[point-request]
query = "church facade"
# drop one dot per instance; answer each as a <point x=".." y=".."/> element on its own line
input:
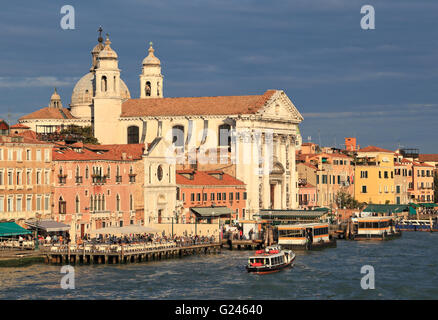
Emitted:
<point x="252" y="137"/>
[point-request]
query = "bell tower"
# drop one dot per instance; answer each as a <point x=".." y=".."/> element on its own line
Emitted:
<point x="151" y="79"/>
<point x="108" y="99"/>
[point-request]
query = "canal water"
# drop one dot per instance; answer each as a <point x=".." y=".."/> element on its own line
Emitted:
<point x="405" y="268"/>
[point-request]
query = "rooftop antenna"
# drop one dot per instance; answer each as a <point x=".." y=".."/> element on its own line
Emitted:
<point x="319" y="137"/>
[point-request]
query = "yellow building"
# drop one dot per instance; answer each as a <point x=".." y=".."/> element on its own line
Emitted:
<point x="374" y="176"/>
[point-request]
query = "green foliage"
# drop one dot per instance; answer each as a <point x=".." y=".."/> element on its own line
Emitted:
<point x="86" y="133"/>
<point x="345" y="200"/>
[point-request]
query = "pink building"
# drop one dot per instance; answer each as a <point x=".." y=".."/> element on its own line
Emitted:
<point x="306" y="195"/>
<point x="98" y="186"/>
<point x="210" y="188"/>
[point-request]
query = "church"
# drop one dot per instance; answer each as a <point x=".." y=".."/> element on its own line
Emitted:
<point x="252" y="137"/>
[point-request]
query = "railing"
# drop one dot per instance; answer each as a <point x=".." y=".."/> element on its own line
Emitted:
<point x="118" y="178"/>
<point x="79" y="179"/>
<point x="62" y="179"/>
<point x="99" y="179"/>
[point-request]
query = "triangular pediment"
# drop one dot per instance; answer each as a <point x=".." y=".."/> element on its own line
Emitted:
<point x="281" y="107"/>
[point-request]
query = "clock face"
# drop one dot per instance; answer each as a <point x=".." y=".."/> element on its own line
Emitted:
<point x="160" y="173"/>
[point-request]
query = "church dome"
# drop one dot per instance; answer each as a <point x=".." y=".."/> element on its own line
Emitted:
<point x="84" y="89"/>
<point x="151" y="59"/>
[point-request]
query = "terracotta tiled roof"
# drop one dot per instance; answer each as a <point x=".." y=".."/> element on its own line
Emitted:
<point x="309" y="165"/>
<point x="374" y="149"/>
<point x="3" y="125"/>
<point x="100" y="152"/>
<point x="307" y="185"/>
<point x="221" y="105"/>
<point x="416" y="164"/>
<point x="428" y="157"/>
<point x="49" y="113"/>
<point x="204" y="178"/>
<point x="19" y="126"/>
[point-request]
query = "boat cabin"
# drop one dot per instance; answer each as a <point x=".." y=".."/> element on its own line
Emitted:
<point x="302" y="234"/>
<point x="374" y="226"/>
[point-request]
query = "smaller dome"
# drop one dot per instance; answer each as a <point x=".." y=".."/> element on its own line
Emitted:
<point x="151" y="59"/>
<point x="107" y="52"/>
<point x="55" y="96"/>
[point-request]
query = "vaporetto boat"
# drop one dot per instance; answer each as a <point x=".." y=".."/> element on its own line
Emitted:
<point x="269" y="260"/>
<point x="305" y="236"/>
<point x="374" y="228"/>
<point x="417" y="225"/>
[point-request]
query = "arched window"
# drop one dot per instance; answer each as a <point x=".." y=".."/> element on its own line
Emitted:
<point x="62" y="206"/>
<point x="117" y="203"/>
<point x="103" y="202"/>
<point x="133" y="135"/>
<point x="86" y="172"/>
<point x="114" y="84"/>
<point x="147" y="89"/>
<point x="178" y="136"/>
<point x="158" y="89"/>
<point x="131" y="202"/>
<point x="77" y="204"/>
<point x="224" y="135"/>
<point x="91" y="203"/>
<point x="103" y="84"/>
<point x="108" y="172"/>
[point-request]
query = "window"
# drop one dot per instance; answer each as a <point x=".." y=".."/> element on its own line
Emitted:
<point x="231" y="196"/>
<point x="385" y="174"/>
<point x="9" y="204"/>
<point x="47" y="202"/>
<point x="38" y="177"/>
<point x="133" y="135"/>
<point x="178" y="136"/>
<point x="103" y="84"/>
<point x="77" y="204"/>
<point x="118" y="203"/>
<point x="47" y="155"/>
<point x="19" y="178"/>
<point x="10" y="178"/>
<point x="28" y="155"/>
<point x="224" y="196"/>
<point x="1" y="177"/>
<point x="198" y="197"/>
<point x="218" y="196"/>
<point x="147" y="89"/>
<point x="192" y="197"/>
<point x="364" y="189"/>
<point x="212" y="196"/>
<point x="47" y="177"/>
<point x="62" y="205"/>
<point x="29" y="177"/>
<point x="238" y="195"/>
<point x="244" y="196"/>
<point x="2" y="204"/>
<point x="1" y="154"/>
<point x="131" y="202"/>
<point x="204" y="197"/>
<point x="10" y="154"/>
<point x="38" y="155"/>
<point x="19" y="155"/>
<point x="364" y="174"/>
<point x="19" y="203"/>
<point x="225" y="136"/>
<point x="29" y="203"/>
<point x="38" y="203"/>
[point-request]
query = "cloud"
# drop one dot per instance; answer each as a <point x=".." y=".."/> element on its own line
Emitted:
<point x="43" y="81"/>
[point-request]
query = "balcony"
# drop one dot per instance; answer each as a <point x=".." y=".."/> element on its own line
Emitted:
<point x="118" y="179"/>
<point x="132" y="177"/>
<point x="99" y="179"/>
<point x="62" y="178"/>
<point x="78" y="179"/>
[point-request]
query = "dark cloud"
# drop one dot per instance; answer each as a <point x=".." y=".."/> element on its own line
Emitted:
<point x="374" y="84"/>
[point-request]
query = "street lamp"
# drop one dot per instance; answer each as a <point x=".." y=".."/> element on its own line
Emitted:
<point x="38" y="216"/>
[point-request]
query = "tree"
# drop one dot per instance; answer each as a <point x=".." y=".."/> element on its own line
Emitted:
<point x="85" y="134"/>
<point x="344" y="200"/>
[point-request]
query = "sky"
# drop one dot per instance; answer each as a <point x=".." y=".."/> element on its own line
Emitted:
<point x="377" y="85"/>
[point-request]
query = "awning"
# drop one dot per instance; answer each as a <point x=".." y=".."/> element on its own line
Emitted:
<point x="130" y="229"/>
<point x="211" y="212"/>
<point x="304" y="214"/>
<point x="48" y="225"/>
<point x="12" y="229"/>
<point x="386" y="208"/>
